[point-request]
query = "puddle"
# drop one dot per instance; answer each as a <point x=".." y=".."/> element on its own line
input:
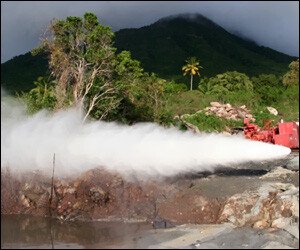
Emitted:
<point x="19" y="231"/>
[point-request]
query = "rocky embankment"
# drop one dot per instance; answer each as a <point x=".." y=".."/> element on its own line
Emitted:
<point x="260" y="197"/>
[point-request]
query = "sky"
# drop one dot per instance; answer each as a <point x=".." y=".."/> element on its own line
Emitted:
<point x="274" y="24"/>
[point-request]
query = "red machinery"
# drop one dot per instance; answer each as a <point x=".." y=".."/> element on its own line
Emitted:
<point x="284" y="133"/>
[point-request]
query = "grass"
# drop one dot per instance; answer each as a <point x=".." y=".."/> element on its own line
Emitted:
<point x="189" y="102"/>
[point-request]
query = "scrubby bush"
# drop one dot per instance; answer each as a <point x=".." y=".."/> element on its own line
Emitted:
<point x="268" y="87"/>
<point x="292" y="76"/>
<point x="211" y="123"/>
<point x="262" y="114"/>
<point x="40" y="97"/>
<point x="172" y="87"/>
<point x="222" y="84"/>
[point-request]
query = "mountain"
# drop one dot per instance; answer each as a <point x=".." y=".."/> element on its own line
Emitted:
<point x="163" y="47"/>
<point x="19" y="73"/>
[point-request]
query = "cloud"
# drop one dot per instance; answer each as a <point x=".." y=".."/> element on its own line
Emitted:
<point x="272" y="24"/>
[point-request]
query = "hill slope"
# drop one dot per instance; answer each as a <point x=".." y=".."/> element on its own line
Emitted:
<point x="19" y="73"/>
<point x="163" y="48"/>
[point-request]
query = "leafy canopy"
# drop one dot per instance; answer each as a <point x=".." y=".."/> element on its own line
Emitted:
<point x="225" y="83"/>
<point x="89" y="73"/>
<point x="192" y="66"/>
<point x="292" y="76"/>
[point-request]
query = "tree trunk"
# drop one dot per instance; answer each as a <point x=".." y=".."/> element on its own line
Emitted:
<point x="191" y="81"/>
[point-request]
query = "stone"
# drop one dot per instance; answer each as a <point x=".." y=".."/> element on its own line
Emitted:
<point x="261" y="207"/>
<point x="277" y="172"/>
<point x="98" y="195"/>
<point x="293" y="164"/>
<point x="159" y="222"/>
<point x="275" y="245"/>
<point x="215" y="104"/>
<point x="25" y="201"/>
<point x="272" y="111"/>
<point x="261" y="224"/>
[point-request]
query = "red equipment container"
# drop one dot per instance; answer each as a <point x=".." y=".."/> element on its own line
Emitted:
<point x="287" y="134"/>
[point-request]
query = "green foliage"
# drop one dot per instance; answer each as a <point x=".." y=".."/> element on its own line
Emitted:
<point x="238" y="98"/>
<point x="142" y="93"/>
<point x="161" y="48"/>
<point x="288" y="104"/>
<point x="40" y="97"/>
<point x="164" y="46"/>
<point x="187" y="102"/>
<point x="211" y="123"/>
<point x="292" y="77"/>
<point x="82" y="63"/>
<point x="224" y="83"/>
<point x="19" y="73"/>
<point x="173" y="87"/>
<point x="192" y="68"/>
<point x="262" y="114"/>
<point x="268" y="87"/>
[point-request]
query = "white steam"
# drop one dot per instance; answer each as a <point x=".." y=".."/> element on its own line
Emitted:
<point x="143" y="150"/>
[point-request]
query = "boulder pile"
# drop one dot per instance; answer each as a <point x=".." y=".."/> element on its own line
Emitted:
<point x="228" y="112"/>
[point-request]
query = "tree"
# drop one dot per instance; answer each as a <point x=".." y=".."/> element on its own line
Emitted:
<point x="82" y="62"/>
<point x="292" y="76"/>
<point x="227" y="82"/>
<point x="269" y="87"/>
<point x="88" y="73"/>
<point x="40" y="97"/>
<point x="192" y="68"/>
<point x="143" y="93"/>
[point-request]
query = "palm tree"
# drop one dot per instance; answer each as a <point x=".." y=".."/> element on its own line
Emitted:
<point x="192" y="67"/>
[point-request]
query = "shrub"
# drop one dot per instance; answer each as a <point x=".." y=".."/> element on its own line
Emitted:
<point x="211" y="123"/>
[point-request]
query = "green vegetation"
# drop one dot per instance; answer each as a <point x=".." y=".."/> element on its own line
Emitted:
<point x="163" y="47"/>
<point x="225" y="83"/>
<point x="87" y="71"/>
<point x="40" y="97"/>
<point x="19" y="73"/>
<point x="191" y="68"/>
<point x="211" y="123"/>
<point x="292" y="77"/>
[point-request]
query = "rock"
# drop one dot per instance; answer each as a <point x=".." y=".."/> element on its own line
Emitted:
<point x="70" y="190"/>
<point x="227" y="106"/>
<point x="272" y="110"/>
<point x="98" y="195"/>
<point x="192" y="127"/>
<point x="276" y="173"/>
<point x="293" y="164"/>
<point x="261" y="207"/>
<point x="25" y="201"/>
<point x="215" y="104"/>
<point x="275" y="245"/>
<point x="261" y="224"/>
<point x="226" y="133"/>
<point x="159" y="222"/>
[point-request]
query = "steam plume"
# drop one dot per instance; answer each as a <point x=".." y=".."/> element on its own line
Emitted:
<point x="145" y="149"/>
